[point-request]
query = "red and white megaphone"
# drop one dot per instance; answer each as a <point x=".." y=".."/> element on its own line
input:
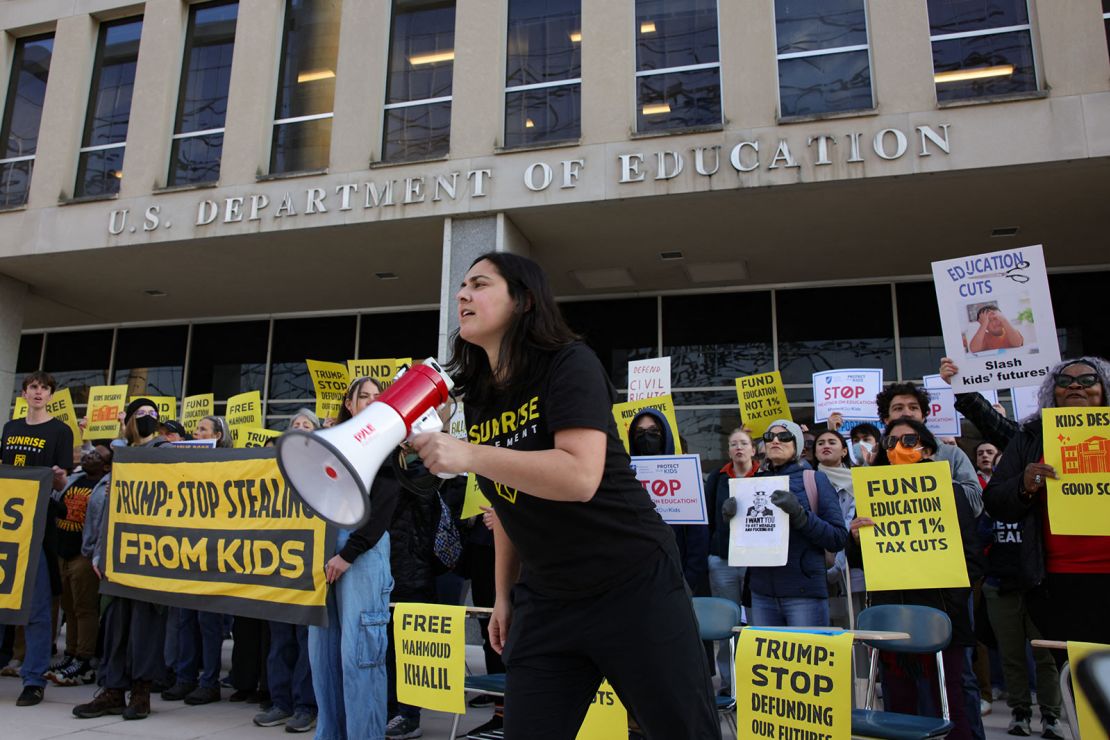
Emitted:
<point x="332" y="470"/>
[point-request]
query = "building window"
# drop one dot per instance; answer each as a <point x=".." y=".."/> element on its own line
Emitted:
<point x="981" y="50"/>
<point x="823" y="57"/>
<point x="151" y="360"/>
<point x="543" y="81"/>
<point x="100" y="163"/>
<point x="330" y="338"/>
<point x="79" y="360"/>
<point x="630" y="331"/>
<point x="228" y="358"/>
<point x="418" y="94"/>
<point x="198" y="137"/>
<point x="678" y="65"/>
<point x="306" y="86"/>
<point x="20" y="129"/>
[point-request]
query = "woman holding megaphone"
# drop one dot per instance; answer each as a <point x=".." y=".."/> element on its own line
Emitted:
<point x="588" y="581"/>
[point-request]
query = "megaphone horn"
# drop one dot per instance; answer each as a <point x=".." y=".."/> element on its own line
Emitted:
<point x="331" y="470"/>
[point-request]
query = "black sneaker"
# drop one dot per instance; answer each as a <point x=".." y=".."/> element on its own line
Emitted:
<point x="58" y="665"/>
<point x="178" y="691"/>
<point x="31" y="696"/>
<point x="481" y="700"/>
<point x="403" y="728"/>
<point x="202" y="695"/>
<point x="78" y="672"/>
<point x="1019" y="725"/>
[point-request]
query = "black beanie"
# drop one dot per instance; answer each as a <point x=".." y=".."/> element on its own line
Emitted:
<point x="136" y="405"/>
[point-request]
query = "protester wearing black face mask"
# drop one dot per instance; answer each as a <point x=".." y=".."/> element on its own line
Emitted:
<point x="649" y="434"/>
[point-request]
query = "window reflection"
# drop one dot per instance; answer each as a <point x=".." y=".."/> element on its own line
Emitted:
<point x="628" y="333"/>
<point x="79" y="360"/>
<point x="981" y="49"/>
<point x="296" y="340"/>
<point x="19" y="131"/>
<point x="714" y="339"/>
<point x="228" y="358"/>
<point x="151" y="360"/>
<point x="920" y="340"/>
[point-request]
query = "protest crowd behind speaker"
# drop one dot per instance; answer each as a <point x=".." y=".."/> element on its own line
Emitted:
<point x="1033" y="583"/>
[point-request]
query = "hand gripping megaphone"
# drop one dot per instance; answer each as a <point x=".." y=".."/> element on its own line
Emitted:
<point x="331" y="470"/>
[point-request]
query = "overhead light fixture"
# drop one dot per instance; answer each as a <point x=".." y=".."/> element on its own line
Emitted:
<point x="434" y="57"/>
<point x="576" y="37"/>
<point x="977" y="73"/>
<point x="155" y="293"/>
<point x="647" y="27"/>
<point x="656" y="109"/>
<point x="313" y="75"/>
<point x="1005" y="231"/>
<point x="672" y="255"/>
<point x="529" y="123"/>
<point x="386" y="275"/>
<point x="717" y="272"/>
<point x="118" y="174"/>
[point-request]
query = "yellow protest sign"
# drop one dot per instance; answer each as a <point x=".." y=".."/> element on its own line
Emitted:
<point x="167" y="406"/>
<point x="217" y="530"/>
<point x="473" y="499"/>
<point x="762" y="399"/>
<point x="23" y="493"/>
<point x="624" y="413"/>
<point x="257" y="437"/>
<point x="244" y="411"/>
<point x="430" y="641"/>
<point x="330" y="379"/>
<point x="106" y="403"/>
<point x="19" y="411"/>
<point x="916" y="541"/>
<point x="1077" y="445"/>
<point x="794" y="684"/>
<point x="195" y="408"/>
<point x="61" y="408"/>
<point x="1089" y="726"/>
<point x="383" y="370"/>
<point x="606" y="718"/>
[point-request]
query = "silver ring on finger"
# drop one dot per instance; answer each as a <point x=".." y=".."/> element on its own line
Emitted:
<point x="1037" y="479"/>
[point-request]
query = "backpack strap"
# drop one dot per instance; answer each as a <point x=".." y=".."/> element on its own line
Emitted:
<point x="809" y="479"/>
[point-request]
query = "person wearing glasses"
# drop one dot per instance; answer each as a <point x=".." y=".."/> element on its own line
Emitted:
<point x="796" y="594"/>
<point x="907" y="441"/>
<point x="1068" y="575"/>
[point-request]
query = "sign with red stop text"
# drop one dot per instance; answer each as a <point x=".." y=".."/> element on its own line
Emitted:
<point x="850" y="393"/>
<point x="674" y="484"/>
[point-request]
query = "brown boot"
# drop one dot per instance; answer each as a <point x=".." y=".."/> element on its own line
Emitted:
<point x="139" y="706"/>
<point x="106" y="701"/>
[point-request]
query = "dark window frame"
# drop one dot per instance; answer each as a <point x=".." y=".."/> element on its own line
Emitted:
<point x="10" y="163"/>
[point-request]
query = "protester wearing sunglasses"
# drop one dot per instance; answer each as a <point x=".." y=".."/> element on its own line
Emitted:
<point x="796" y="594"/>
<point x="905" y="679"/>
<point x="1068" y="575"/>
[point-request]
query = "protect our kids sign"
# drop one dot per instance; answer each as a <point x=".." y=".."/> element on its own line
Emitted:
<point x="851" y="393"/>
<point x="674" y="484"/>
<point x="1077" y="445"/>
<point x="996" y="315"/>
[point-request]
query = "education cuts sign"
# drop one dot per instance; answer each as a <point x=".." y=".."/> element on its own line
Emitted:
<point x="216" y="530"/>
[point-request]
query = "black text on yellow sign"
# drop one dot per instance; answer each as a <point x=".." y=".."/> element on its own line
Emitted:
<point x="431" y="661"/>
<point x="23" y="492"/>
<point x="794" y="685"/>
<point x="214" y="527"/>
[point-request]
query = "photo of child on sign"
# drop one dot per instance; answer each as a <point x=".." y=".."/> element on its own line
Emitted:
<point x="989" y="331"/>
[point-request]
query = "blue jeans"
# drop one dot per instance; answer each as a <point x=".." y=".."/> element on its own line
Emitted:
<point x="199" y="635"/>
<point x="726" y="582"/>
<point x="39" y="631"/>
<point x="793" y="611"/>
<point x="288" y="669"/>
<point x="348" y="656"/>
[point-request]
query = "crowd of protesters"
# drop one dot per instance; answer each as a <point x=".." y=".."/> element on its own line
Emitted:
<point x="1026" y="582"/>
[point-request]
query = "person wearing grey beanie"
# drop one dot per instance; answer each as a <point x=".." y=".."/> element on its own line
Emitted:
<point x="796" y="594"/>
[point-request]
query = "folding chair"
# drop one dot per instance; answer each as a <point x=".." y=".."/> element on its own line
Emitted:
<point x="716" y="618"/>
<point x="930" y="632"/>
<point x="492" y="684"/>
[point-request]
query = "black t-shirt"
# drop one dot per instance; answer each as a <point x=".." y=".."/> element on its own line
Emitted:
<point x="28" y="445"/>
<point x="570" y="549"/>
<point x="71" y="527"/>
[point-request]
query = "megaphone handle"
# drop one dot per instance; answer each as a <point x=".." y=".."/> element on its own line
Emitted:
<point x="430" y="422"/>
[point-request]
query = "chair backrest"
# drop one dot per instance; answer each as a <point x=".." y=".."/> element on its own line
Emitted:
<point x="716" y="617"/>
<point x="930" y="629"/>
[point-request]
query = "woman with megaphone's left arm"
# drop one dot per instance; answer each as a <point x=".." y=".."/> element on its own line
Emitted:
<point x="587" y="572"/>
<point x="348" y="656"/>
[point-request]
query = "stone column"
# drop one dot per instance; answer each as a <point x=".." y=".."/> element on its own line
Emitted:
<point x="356" y="130"/>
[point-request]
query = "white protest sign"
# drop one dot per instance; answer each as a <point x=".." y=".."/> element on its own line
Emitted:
<point x="759" y="534"/>
<point x="649" y="378"/>
<point x="1026" y="402"/>
<point x="848" y="392"/>
<point x="456" y="426"/>
<point x="674" y="484"/>
<point x="996" y="315"/>
<point x="942" y="420"/>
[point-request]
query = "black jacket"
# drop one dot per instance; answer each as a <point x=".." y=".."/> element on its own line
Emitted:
<point x="412" y="546"/>
<point x="1003" y="501"/>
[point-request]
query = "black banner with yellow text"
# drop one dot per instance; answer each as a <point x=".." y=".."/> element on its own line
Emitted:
<point x="24" y="493"/>
<point x="216" y="530"/>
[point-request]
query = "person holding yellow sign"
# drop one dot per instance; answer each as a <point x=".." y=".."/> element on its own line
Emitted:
<point x="1070" y="573"/>
<point x="908" y="441"/>
<point x="588" y="578"/>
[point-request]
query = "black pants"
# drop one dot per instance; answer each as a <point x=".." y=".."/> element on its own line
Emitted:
<point x="1071" y="606"/>
<point x="248" y="654"/>
<point x="134" y="640"/>
<point x="480" y="559"/>
<point x="641" y="635"/>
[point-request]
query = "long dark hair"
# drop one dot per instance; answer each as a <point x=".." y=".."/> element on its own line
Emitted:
<point x="536" y="329"/>
<point x="352" y="392"/>
<point x="927" y="439"/>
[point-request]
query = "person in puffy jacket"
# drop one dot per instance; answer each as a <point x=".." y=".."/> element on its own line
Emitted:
<point x="796" y="594"/>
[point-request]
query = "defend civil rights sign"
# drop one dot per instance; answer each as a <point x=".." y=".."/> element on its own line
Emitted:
<point x="216" y="530"/>
<point x="23" y="494"/>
